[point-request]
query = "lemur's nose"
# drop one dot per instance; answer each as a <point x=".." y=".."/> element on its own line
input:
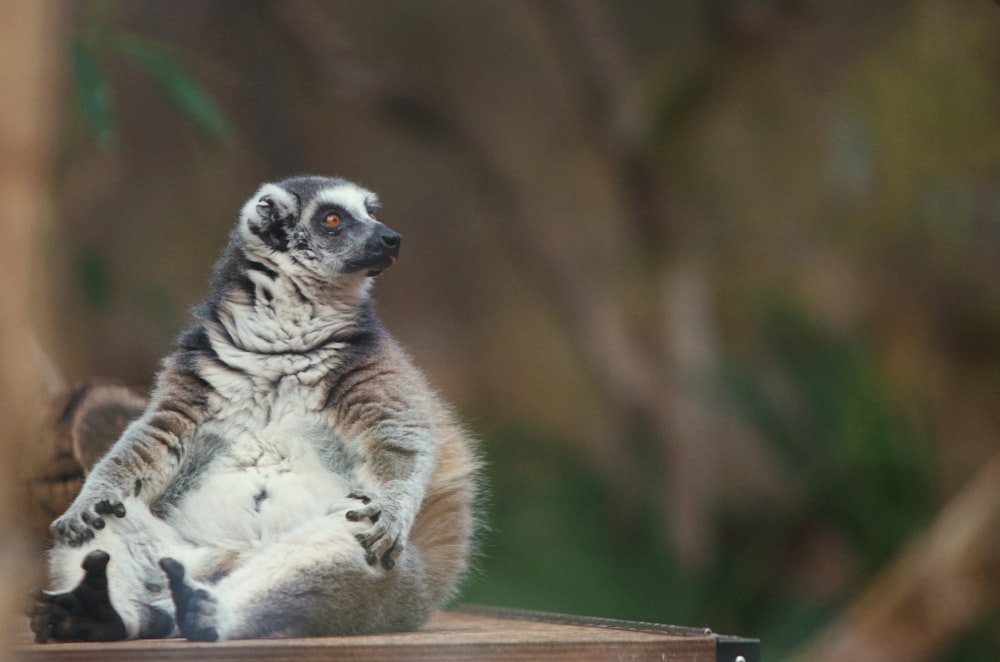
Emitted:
<point x="390" y="240"/>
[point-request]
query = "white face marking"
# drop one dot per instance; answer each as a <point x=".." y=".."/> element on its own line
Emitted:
<point x="349" y="197"/>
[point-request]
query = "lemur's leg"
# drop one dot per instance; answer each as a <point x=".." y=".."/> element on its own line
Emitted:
<point x="313" y="582"/>
<point x="82" y="614"/>
<point x="111" y="587"/>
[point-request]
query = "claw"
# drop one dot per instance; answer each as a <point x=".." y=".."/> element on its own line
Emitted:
<point x="370" y="510"/>
<point x="78" y="524"/>
<point x="108" y="507"/>
<point x="383" y="541"/>
<point x="363" y="497"/>
<point x="93" y="520"/>
<point x="388" y="562"/>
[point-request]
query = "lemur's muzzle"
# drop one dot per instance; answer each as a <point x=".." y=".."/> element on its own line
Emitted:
<point x="382" y="250"/>
<point x="390" y="240"/>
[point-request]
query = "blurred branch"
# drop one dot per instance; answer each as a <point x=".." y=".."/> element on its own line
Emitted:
<point x="347" y="79"/>
<point x="667" y="386"/>
<point x="610" y="73"/>
<point x="945" y="582"/>
<point x="618" y="118"/>
<point x="29" y="42"/>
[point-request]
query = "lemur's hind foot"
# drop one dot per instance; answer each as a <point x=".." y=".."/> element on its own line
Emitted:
<point x="83" y="614"/>
<point x="198" y="610"/>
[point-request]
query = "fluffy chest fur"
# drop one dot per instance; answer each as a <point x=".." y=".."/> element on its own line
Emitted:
<point x="256" y="472"/>
<point x="269" y="456"/>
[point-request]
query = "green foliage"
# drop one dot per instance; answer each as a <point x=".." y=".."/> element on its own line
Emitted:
<point x="92" y="269"/>
<point x="980" y="645"/>
<point x="94" y="92"/>
<point x="867" y="469"/>
<point x="95" y="46"/>
<point x="864" y="471"/>
<point x="182" y="89"/>
<point x="559" y="542"/>
<point x="556" y="541"/>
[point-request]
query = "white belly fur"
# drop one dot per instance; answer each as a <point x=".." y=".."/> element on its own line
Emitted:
<point x="264" y="484"/>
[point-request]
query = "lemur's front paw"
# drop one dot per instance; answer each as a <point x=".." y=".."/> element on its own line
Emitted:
<point x="385" y="540"/>
<point x="78" y="524"/>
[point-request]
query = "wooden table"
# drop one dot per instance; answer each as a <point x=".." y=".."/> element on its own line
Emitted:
<point x="467" y="633"/>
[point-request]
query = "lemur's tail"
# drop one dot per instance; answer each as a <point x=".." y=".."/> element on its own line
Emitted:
<point x="86" y="421"/>
<point x="445" y="528"/>
<point x="97" y="414"/>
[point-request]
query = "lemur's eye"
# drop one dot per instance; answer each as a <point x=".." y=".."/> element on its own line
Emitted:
<point x="333" y="220"/>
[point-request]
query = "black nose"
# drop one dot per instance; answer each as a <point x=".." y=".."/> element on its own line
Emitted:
<point x="390" y="240"/>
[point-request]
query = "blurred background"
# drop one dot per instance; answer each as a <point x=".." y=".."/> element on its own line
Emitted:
<point x="716" y="283"/>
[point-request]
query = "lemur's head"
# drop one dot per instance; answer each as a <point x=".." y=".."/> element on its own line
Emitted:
<point x="318" y="226"/>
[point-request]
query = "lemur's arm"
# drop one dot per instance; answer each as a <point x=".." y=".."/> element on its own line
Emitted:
<point x="391" y="487"/>
<point x="397" y="442"/>
<point x="141" y="463"/>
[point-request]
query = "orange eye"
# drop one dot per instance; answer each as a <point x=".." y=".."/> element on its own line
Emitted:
<point x="333" y="220"/>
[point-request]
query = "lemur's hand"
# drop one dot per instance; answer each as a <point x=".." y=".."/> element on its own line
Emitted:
<point x="84" y="516"/>
<point x="385" y="540"/>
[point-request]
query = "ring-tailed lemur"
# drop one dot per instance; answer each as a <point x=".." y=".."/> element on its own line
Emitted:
<point x="293" y="473"/>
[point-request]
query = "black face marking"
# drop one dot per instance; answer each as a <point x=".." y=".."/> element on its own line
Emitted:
<point x="273" y="234"/>
<point x="378" y="252"/>
<point x="272" y="230"/>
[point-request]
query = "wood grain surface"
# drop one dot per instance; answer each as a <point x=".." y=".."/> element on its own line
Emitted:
<point x="476" y="634"/>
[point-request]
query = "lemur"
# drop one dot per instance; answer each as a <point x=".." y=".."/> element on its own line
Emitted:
<point x="293" y="473"/>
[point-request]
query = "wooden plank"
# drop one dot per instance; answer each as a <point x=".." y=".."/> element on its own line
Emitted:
<point x="474" y="634"/>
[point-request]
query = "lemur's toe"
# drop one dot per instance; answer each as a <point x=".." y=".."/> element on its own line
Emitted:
<point x="173" y="568"/>
<point x="95" y="568"/>
<point x="196" y="608"/>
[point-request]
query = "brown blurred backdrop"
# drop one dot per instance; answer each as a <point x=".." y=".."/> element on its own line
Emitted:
<point x="716" y="282"/>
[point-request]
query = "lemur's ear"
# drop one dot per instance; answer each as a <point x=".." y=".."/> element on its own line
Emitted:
<point x="265" y="207"/>
<point x="269" y="213"/>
